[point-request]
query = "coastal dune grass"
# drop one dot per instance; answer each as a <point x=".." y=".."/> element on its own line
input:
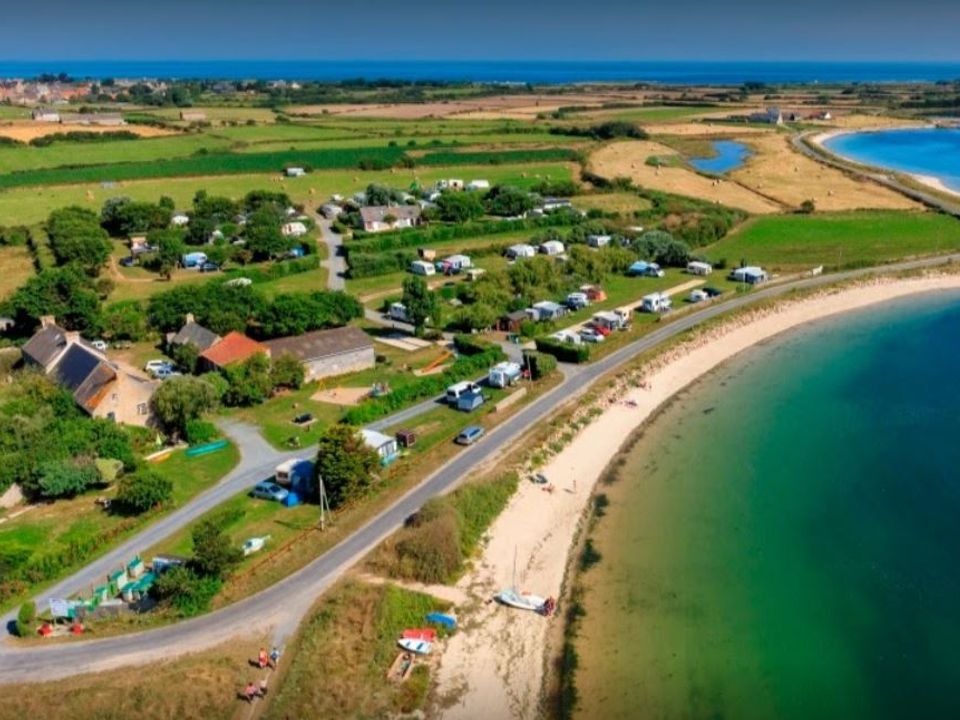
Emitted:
<point x="838" y="240"/>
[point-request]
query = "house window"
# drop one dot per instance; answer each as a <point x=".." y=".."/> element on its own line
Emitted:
<point x="142" y="409"/>
<point x="114" y="397"/>
<point x="112" y="416"/>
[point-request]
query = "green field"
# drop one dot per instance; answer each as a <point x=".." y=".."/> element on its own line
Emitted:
<point x="29" y="206"/>
<point x="837" y="240"/>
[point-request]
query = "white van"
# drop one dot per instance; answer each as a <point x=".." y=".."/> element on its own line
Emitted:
<point x="456" y="390"/>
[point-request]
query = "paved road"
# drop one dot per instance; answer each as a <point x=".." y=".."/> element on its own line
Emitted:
<point x="283" y="605"/>
<point x="336" y="262"/>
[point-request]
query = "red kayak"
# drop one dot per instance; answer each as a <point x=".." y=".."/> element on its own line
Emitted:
<point x="427" y="634"/>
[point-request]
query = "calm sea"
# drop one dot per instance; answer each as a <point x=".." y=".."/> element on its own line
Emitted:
<point x="925" y="151"/>
<point x="783" y="541"/>
<point x="521" y="71"/>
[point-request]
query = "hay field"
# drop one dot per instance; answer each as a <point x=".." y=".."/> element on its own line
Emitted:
<point x="779" y="171"/>
<point x="28" y="130"/>
<point x="628" y="159"/>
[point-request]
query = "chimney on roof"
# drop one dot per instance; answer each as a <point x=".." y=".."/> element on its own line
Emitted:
<point x="72" y="336"/>
<point x="47" y="321"/>
<point x="190" y="318"/>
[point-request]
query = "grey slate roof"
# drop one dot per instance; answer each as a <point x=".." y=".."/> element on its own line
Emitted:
<point x="83" y="373"/>
<point x="45" y="345"/>
<point x="195" y="334"/>
<point x="320" y="343"/>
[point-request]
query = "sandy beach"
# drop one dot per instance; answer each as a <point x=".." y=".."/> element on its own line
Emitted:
<point x="495" y="667"/>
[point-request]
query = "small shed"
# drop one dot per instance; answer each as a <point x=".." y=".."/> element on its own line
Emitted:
<point x="427" y="254"/>
<point x="406" y="438"/>
<point x="511" y="321"/>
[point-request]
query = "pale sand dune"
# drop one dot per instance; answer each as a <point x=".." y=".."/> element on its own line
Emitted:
<point x="777" y="170"/>
<point x="494" y="667"/>
<point x="628" y="159"/>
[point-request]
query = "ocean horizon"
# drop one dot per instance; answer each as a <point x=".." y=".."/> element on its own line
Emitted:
<point x="496" y="71"/>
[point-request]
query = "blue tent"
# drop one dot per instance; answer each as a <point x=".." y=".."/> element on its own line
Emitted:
<point x="638" y="268"/>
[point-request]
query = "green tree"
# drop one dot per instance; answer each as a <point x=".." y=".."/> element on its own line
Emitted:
<point x="250" y="381"/>
<point x="287" y="371"/>
<point x="263" y="235"/>
<point x="459" y="207"/>
<point x="214" y="555"/>
<point x="181" y="399"/>
<point x="25" y="618"/>
<point x="65" y="479"/>
<point x="122" y="217"/>
<point x="345" y="462"/>
<point x="143" y="490"/>
<point x="126" y="320"/>
<point x="65" y="293"/>
<point x="508" y="201"/>
<point x="76" y="237"/>
<point x="422" y="304"/>
<point x="186" y="356"/>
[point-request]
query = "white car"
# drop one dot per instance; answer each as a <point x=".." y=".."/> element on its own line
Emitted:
<point x="591" y="335"/>
<point x="697" y="296"/>
<point x="100" y="345"/>
<point x="154" y="367"/>
<point x="166" y="373"/>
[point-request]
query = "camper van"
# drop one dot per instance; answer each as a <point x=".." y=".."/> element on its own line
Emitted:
<point x="455" y="391"/>
<point x="421" y="267"/>
<point x="398" y="312"/>
<point x="656" y="303"/>
<point x="504" y="374"/>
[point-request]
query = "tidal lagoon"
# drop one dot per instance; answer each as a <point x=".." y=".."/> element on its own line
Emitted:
<point x="781" y="541"/>
<point x="932" y="152"/>
<point x="728" y="155"/>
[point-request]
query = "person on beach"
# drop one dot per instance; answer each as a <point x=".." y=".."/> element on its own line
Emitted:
<point x="250" y="692"/>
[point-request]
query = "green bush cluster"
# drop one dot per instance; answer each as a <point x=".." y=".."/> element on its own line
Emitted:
<point x="540" y="364"/>
<point x="83" y="136"/>
<point x="463" y="369"/>
<point x="493" y="157"/>
<point x="200" y="431"/>
<point x="277" y="270"/>
<point x="471" y="345"/>
<point x="563" y="351"/>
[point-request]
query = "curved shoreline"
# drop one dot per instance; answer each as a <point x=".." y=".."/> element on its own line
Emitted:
<point x="500" y="668"/>
<point x="931" y="181"/>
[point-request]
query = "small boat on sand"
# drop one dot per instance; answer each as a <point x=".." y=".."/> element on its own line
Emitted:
<point x="428" y="634"/>
<point x="420" y="647"/>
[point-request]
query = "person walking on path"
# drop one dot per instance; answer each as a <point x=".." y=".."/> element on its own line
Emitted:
<point x="274" y="657"/>
<point x="262" y="658"/>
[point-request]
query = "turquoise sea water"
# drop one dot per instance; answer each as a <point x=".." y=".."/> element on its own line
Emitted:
<point x="782" y="541"/>
<point x="729" y="156"/>
<point x="925" y="151"/>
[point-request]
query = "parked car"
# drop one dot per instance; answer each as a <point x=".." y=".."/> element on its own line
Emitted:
<point x="470" y="435"/>
<point x="712" y="291"/>
<point x="166" y="373"/>
<point x="591" y="335"/>
<point x="266" y="490"/>
<point x="209" y="267"/>
<point x="100" y="345"/>
<point x="697" y="296"/>
<point x="154" y="366"/>
<point x="602" y="329"/>
<point x="128" y="261"/>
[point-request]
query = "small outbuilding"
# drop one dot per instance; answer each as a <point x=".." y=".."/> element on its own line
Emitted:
<point x="511" y="322"/>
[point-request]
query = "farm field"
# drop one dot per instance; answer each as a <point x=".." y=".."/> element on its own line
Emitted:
<point x="628" y="159"/>
<point x="795" y="242"/>
<point x="614" y="202"/>
<point x="31" y="205"/>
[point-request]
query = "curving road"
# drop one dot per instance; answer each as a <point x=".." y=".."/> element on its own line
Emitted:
<point x="282" y="606"/>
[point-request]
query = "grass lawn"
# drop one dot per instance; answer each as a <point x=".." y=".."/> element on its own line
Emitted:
<point x="653" y="114"/>
<point x="16" y="267"/>
<point x="32" y="205"/>
<point x="836" y="240"/>
<point x="48" y="530"/>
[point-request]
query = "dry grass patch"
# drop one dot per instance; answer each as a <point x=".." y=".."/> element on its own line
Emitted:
<point x="777" y="170"/>
<point x="628" y="159"/>
<point x="204" y="685"/>
<point x="16" y="267"/>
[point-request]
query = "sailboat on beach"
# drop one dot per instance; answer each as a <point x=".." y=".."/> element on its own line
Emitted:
<point x="522" y="601"/>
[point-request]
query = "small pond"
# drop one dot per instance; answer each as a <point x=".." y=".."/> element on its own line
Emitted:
<point x="729" y="156"/>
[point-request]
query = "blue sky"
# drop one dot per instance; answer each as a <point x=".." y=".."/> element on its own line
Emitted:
<point x="876" y="30"/>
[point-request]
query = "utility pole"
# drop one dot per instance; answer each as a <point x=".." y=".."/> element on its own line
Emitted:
<point x="324" y="504"/>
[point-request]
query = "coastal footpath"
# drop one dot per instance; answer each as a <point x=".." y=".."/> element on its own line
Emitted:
<point x="478" y="674"/>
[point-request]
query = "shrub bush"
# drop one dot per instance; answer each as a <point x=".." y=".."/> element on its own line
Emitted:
<point x="25" y="618"/>
<point x="201" y="431"/>
<point x="540" y="364"/>
<point x="565" y="352"/>
<point x="471" y="345"/>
